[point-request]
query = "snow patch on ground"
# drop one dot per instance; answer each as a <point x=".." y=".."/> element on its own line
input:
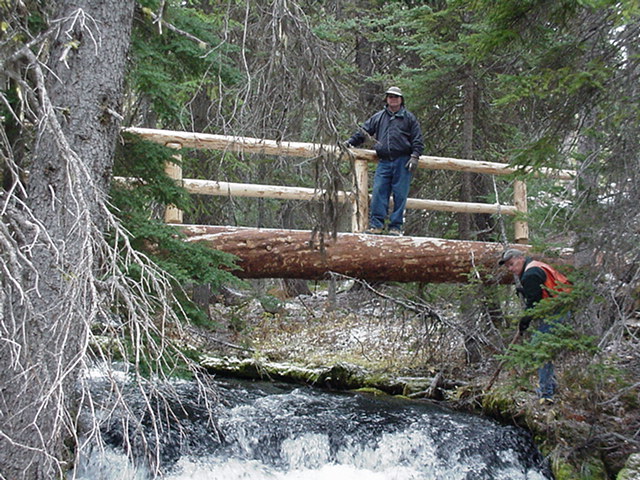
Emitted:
<point x="360" y="328"/>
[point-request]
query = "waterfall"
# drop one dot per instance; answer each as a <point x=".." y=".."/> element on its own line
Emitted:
<point x="281" y="432"/>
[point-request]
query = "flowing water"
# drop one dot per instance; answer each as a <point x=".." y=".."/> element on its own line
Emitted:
<point x="282" y="432"/>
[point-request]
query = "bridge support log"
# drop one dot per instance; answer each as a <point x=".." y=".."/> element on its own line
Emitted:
<point x="274" y="253"/>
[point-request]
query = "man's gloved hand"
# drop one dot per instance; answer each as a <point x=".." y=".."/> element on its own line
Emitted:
<point x="412" y="164"/>
<point x="524" y="323"/>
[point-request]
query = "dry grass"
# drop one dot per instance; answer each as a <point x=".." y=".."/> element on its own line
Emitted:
<point x="359" y="327"/>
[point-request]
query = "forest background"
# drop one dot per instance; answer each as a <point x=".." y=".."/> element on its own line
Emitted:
<point x="530" y="83"/>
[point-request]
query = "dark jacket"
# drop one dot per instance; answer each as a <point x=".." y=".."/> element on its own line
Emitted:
<point x="539" y="280"/>
<point x="535" y="284"/>
<point x="397" y="134"/>
<point x="531" y="282"/>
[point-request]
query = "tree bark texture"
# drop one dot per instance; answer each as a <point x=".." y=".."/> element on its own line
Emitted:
<point x="272" y="253"/>
<point x="70" y="170"/>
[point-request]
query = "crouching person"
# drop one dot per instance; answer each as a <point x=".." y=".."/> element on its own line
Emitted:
<point x="536" y="281"/>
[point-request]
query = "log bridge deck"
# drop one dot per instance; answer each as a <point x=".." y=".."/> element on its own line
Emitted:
<point x="276" y="253"/>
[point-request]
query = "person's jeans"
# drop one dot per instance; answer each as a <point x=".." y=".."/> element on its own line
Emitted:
<point x="392" y="177"/>
<point x="547" y="384"/>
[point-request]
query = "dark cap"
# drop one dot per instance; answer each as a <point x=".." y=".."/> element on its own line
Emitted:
<point x="508" y="254"/>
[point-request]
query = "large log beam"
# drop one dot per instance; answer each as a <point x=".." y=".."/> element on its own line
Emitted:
<point x="272" y="253"/>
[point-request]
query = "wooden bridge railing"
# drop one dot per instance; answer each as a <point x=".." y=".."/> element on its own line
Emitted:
<point x="359" y="197"/>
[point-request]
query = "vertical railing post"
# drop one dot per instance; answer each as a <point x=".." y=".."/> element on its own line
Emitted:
<point x="360" y="203"/>
<point x="521" y="227"/>
<point x="174" y="171"/>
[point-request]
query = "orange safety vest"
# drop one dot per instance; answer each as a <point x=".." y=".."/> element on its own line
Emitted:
<point x="554" y="279"/>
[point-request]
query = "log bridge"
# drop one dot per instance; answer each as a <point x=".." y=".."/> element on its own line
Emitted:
<point x="277" y="253"/>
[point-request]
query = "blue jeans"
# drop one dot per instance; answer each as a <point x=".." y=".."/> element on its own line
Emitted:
<point x="547" y="384"/>
<point x="392" y="177"/>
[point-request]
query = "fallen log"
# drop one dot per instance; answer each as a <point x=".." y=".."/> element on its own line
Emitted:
<point x="275" y="253"/>
<point x="341" y="376"/>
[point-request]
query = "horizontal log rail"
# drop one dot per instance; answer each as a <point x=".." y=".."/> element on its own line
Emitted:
<point x="207" y="141"/>
<point x="251" y="190"/>
<point x="210" y="187"/>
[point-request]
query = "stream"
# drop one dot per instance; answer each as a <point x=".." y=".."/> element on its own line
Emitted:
<point x="284" y="432"/>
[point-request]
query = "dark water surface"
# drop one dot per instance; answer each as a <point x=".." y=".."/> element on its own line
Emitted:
<point x="271" y="431"/>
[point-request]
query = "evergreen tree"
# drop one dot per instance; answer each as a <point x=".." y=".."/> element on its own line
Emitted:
<point x="52" y="256"/>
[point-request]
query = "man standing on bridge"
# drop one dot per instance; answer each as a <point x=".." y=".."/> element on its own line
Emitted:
<point x="535" y="281"/>
<point x="398" y="144"/>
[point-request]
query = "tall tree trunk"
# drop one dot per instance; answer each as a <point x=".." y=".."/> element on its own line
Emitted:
<point x="476" y="227"/>
<point x="369" y="94"/>
<point x="292" y="287"/>
<point x="468" y="309"/>
<point x="69" y="177"/>
<point x="464" y="219"/>
<point x="474" y="186"/>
